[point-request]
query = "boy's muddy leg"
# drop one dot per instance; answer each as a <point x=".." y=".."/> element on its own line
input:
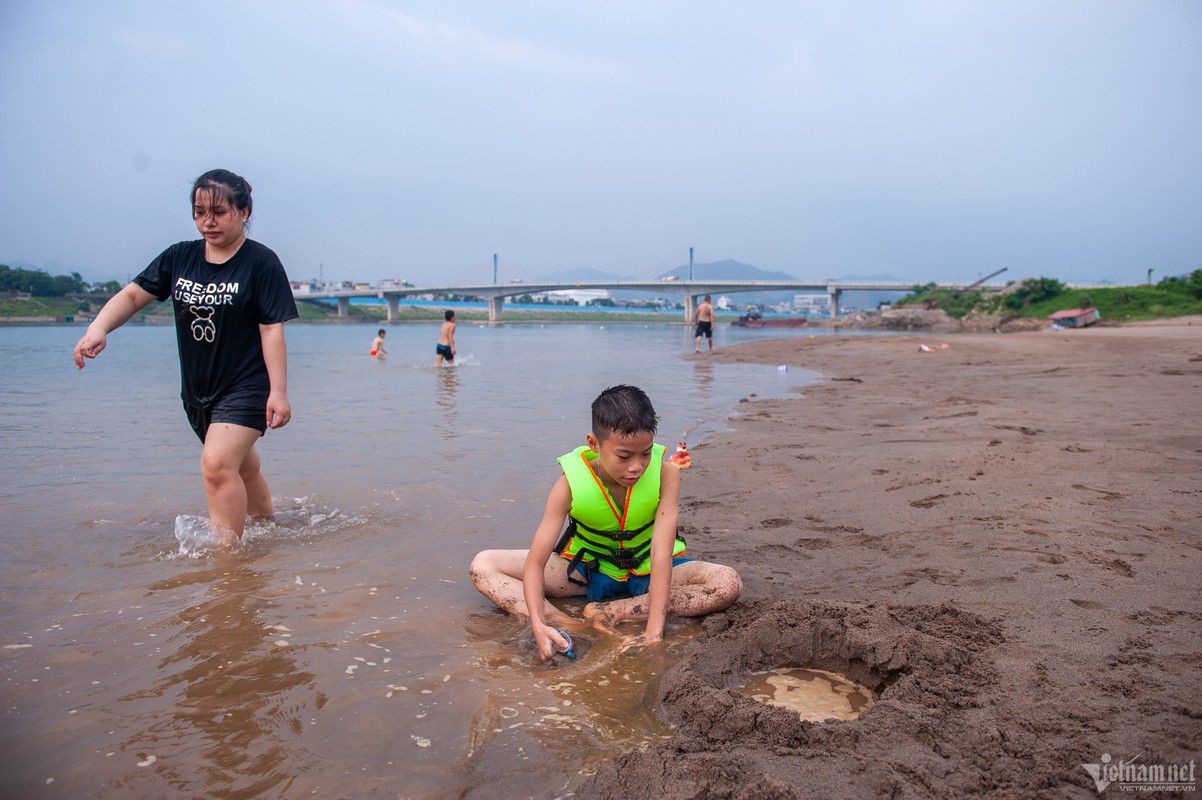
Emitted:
<point x="697" y="589"/>
<point x="497" y="574"/>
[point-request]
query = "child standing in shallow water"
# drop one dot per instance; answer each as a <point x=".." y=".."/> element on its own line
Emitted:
<point x="377" y="345"/>
<point x="620" y="501"/>
<point x="446" y="340"/>
<point x="231" y="298"/>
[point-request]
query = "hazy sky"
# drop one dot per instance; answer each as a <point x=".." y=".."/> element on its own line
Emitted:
<point x="929" y="140"/>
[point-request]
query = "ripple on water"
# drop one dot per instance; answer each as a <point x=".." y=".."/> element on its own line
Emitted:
<point x="301" y="518"/>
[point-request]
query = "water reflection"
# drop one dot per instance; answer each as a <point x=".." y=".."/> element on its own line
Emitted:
<point x="447" y="388"/>
<point x="540" y="716"/>
<point x="237" y="693"/>
<point x="703" y="374"/>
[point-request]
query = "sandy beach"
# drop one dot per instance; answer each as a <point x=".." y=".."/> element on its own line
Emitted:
<point x="1001" y="538"/>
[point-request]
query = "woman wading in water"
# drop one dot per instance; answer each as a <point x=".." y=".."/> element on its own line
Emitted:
<point x="231" y="298"/>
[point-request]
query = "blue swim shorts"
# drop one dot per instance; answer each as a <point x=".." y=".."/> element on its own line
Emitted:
<point x="602" y="587"/>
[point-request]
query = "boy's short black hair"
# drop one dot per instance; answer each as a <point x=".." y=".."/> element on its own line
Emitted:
<point x="624" y="410"/>
<point x="381" y="332"/>
<point x="448" y="315"/>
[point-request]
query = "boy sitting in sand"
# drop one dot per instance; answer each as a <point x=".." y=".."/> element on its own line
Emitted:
<point x="620" y="549"/>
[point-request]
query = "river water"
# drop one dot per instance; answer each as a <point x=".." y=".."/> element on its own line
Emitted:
<point x="342" y="651"/>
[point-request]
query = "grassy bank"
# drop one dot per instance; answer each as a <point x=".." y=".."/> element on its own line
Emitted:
<point x="1170" y="298"/>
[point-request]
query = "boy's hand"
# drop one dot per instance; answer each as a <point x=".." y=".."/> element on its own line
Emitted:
<point x="639" y="640"/>
<point x="549" y="642"/>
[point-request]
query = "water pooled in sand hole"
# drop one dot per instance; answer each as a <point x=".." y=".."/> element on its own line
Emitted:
<point x="814" y="694"/>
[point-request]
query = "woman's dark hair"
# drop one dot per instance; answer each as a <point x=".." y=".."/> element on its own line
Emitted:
<point x="228" y="185"/>
<point x="624" y="410"/>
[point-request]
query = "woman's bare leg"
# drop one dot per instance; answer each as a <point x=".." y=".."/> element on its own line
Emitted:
<point x="226" y="449"/>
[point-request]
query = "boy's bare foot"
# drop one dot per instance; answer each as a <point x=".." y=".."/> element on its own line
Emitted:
<point x="600" y="619"/>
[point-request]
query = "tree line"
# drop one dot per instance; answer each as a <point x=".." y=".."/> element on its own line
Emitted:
<point x="40" y="283"/>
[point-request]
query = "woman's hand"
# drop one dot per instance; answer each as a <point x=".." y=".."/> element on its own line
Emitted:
<point x="89" y="346"/>
<point x="279" y="412"/>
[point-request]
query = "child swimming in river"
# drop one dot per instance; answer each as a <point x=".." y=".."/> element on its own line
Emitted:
<point x="620" y="501"/>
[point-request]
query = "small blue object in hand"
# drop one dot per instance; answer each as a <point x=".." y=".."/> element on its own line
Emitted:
<point x="569" y="650"/>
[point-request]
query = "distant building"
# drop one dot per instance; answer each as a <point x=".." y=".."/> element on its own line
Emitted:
<point x="580" y="297"/>
<point x="723" y="303"/>
<point x="1075" y="317"/>
<point x="815" y="304"/>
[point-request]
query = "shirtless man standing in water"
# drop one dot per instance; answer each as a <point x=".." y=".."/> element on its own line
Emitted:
<point x="446" y="340"/>
<point x="705" y="324"/>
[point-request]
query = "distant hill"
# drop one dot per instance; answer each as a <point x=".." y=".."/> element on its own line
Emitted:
<point x="727" y="270"/>
<point x="582" y="274"/>
<point x="732" y="270"/>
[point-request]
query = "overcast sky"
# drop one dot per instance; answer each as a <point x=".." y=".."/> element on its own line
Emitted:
<point x="927" y="140"/>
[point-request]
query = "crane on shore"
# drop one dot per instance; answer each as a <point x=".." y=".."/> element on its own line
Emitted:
<point x="937" y="303"/>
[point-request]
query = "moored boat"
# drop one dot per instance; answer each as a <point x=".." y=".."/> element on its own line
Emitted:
<point x="753" y="319"/>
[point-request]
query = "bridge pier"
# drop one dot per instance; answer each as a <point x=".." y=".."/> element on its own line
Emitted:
<point x="833" y="294"/>
<point x="394" y="306"/>
<point x="344" y="306"/>
<point x="495" y="304"/>
<point x="690" y="309"/>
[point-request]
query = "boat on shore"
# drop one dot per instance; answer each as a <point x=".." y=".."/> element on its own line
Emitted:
<point x="753" y="319"/>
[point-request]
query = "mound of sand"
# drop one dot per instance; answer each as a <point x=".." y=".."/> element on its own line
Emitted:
<point x="1001" y="539"/>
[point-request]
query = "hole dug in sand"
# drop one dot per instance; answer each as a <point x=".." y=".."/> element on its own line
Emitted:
<point x="926" y="666"/>
<point x="816" y="695"/>
<point x="840" y="659"/>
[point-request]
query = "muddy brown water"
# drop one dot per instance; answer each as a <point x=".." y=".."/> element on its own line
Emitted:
<point x="342" y="650"/>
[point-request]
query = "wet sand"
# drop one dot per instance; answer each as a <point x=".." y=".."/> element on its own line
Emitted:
<point x="1001" y="539"/>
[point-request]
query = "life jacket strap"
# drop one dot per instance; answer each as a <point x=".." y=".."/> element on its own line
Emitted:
<point x="623" y="558"/>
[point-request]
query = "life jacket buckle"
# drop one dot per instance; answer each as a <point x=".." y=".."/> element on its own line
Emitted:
<point x="624" y="558"/>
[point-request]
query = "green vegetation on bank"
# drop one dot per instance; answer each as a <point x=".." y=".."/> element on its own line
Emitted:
<point x="1040" y="297"/>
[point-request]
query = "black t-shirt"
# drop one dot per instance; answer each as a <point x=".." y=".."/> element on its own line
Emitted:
<point x="218" y="310"/>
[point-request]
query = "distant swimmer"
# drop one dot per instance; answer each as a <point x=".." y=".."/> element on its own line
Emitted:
<point x="621" y="504"/>
<point x="705" y="324"/>
<point x="231" y="298"/>
<point x="446" y="340"/>
<point x="377" y="345"/>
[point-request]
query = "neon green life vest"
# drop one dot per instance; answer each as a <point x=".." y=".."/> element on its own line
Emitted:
<point x="615" y="540"/>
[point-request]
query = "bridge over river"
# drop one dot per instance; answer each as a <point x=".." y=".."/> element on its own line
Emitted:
<point x="689" y="290"/>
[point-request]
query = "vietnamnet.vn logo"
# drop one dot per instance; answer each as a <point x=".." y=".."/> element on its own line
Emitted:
<point x="1132" y="776"/>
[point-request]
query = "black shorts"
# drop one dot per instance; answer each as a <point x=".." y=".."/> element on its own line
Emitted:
<point x="444" y="350"/>
<point x="245" y="408"/>
<point x="706" y="329"/>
